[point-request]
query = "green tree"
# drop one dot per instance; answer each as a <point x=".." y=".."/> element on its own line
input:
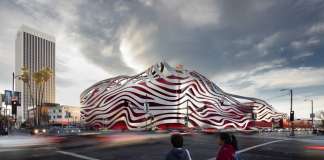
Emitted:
<point x="39" y="78"/>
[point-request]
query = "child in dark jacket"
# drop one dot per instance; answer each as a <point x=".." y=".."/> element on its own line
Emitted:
<point x="178" y="152"/>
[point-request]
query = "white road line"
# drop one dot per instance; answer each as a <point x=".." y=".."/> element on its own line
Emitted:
<point x="260" y="145"/>
<point x="256" y="146"/>
<point x="9" y="150"/>
<point x="77" y="155"/>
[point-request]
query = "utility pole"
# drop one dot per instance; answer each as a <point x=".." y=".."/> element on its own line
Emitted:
<point x="292" y="113"/>
<point x="312" y="113"/>
<point x="13" y="81"/>
<point x="13" y="94"/>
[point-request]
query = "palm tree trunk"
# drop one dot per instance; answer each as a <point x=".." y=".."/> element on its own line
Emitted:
<point x="37" y="106"/>
<point x="41" y="101"/>
<point x="32" y="102"/>
<point x="35" y="110"/>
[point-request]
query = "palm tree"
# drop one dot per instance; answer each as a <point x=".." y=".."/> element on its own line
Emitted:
<point x="25" y="77"/>
<point x="46" y="74"/>
<point x="39" y="78"/>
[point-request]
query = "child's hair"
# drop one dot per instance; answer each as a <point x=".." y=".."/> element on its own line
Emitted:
<point x="234" y="142"/>
<point x="177" y="140"/>
<point x="229" y="139"/>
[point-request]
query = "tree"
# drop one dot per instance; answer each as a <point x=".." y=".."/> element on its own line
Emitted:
<point x="39" y="78"/>
<point x="45" y="75"/>
<point x="25" y="77"/>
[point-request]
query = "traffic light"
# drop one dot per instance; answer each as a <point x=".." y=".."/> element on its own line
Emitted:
<point x="292" y="113"/>
<point x="14" y="104"/>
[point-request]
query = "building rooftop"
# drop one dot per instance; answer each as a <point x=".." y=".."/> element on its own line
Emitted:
<point x="32" y="31"/>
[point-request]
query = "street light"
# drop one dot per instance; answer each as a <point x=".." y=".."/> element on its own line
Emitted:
<point x="312" y="114"/>
<point x="292" y="133"/>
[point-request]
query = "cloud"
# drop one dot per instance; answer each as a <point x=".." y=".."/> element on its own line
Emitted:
<point x="133" y="46"/>
<point x="303" y="55"/>
<point x="194" y="13"/>
<point x="268" y="43"/>
<point x="244" y="46"/>
<point x="316" y="28"/>
<point x="263" y="81"/>
<point x="289" y="78"/>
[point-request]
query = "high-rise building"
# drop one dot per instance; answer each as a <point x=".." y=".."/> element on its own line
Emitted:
<point x="35" y="51"/>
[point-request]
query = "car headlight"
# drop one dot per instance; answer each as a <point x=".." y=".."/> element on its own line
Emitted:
<point x="36" y="131"/>
<point x="44" y="130"/>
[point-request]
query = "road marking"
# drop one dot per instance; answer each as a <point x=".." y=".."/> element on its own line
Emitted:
<point x="260" y="145"/>
<point x="262" y="136"/>
<point x="9" y="150"/>
<point x="256" y="146"/>
<point x="77" y="155"/>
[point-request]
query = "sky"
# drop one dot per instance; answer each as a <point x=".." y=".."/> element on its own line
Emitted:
<point x="250" y="47"/>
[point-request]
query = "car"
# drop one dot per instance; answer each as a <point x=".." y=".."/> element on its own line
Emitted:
<point x="38" y="131"/>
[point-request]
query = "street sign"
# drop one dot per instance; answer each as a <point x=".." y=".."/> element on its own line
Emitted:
<point x="7" y="98"/>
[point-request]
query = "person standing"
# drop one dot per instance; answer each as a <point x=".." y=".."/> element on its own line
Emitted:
<point x="178" y="152"/>
<point x="228" y="145"/>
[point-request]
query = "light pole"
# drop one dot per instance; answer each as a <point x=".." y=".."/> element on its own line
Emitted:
<point x="312" y="113"/>
<point x="292" y="133"/>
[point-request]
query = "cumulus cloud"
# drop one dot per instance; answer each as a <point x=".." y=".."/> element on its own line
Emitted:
<point x="277" y="78"/>
<point x="316" y="28"/>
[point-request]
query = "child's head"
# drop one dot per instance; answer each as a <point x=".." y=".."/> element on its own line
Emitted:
<point x="224" y="138"/>
<point x="177" y="140"/>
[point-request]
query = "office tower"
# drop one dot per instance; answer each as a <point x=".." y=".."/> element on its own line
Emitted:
<point x="35" y="51"/>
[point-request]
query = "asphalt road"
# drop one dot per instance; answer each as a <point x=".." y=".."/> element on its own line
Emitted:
<point x="202" y="147"/>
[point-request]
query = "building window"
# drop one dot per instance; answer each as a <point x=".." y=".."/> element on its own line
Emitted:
<point x="60" y="110"/>
<point x="59" y="116"/>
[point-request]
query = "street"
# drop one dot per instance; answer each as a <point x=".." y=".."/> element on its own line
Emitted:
<point x="140" y="146"/>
